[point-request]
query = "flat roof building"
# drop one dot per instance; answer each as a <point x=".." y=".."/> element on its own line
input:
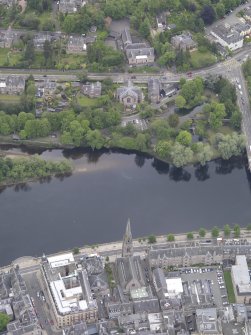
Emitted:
<point x="241" y="279"/>
<point x="69" y="290"/>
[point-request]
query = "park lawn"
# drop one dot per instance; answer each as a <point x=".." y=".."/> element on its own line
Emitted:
<point x="6" y="98"/>
<point x="202" y="59"/>
<point x="229" y="287"/>
<point x="86" y="102"/>
<point x="9" y="57"/>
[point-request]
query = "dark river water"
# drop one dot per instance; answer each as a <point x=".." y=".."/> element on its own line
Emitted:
<point x="92" y="205"/>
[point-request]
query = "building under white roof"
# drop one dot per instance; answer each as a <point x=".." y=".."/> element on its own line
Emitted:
<point x="174" y="286"/>
<point x="60" y="260"/>
<point x="67" y="299"/>
<point x="240" y="275"/>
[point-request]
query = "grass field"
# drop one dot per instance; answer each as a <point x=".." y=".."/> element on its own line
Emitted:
<point x="86" y="102"/>
<point x="202" y="59"/>
<point x="9" y="98"/>
<point x="229" y="287"/>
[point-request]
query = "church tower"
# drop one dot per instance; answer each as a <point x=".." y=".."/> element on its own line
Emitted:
<point x="127" y="248"/>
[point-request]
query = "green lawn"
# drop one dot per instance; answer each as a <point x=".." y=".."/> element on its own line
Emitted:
<point x="9" y="98"/>
<point x="229" y="287"/>
<point x="86" y="102"/>
<point x="201" y="59"/>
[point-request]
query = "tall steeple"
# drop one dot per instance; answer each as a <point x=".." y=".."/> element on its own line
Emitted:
<point x="127" y="247"/>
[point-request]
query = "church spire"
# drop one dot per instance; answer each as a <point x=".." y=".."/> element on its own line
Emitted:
<point x="127" y="247"/>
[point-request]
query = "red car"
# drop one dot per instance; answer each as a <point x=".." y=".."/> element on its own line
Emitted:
<point x="189" y="74"/>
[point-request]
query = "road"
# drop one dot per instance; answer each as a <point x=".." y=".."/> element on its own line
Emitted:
<point x="43" y="310"/>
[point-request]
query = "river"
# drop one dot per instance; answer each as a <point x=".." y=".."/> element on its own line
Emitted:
<point x="92" y="205"/>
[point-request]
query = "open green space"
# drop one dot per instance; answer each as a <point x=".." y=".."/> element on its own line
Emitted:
<point x="9" y="98"/>
<point x="86" y="102"/>
<point x="229" y="287"/>
<point x="202" y="59"/>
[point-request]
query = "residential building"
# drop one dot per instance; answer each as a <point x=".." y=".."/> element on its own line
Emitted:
<point x="185" y="256"/>
<point x="16" y="303"/>
<point x="129" y="95"/>
<point x="247" y="14"/>
<point x="76" y="44"/>
<point x="92" y="90"/>
<point x="69" y="290"/>
<point x="227" y="37"/>
<point x="136" y="53"/>
<point x="12" y="85"/>
<point x="70" y="6"/>
<point x="243" y="29"/>
<point x="241" y="280"/>
<point x="208" y="322"/>
<point x="183" y="42"/>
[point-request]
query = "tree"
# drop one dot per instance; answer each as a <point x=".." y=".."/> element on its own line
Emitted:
<point x="236" y="119"/>
<point x="75" y="251"/>
<point x="248" y="227"/>
<point x="184" y="138"/>
<point x="163" y="149"/>
<point x="202" y="232"/>
<point x="227" y="230"/>
<point x="181" y="155"/>
<point x="215" y="232"/>
<point x="173" y="120"/>
<point x="237" y="230"/>
<point x="4" y="320"/>
<point x="151" y="239"/>
<point x="29" y="52"/>
<point x="95" y="139"/>
<point x="48" y="52"/>
<point x="141" y="142"/>
<point x="190" y="236"/>
<point x="216" y="114"/>
<point x="230" y="145"/>
<point x="180" y="101"/>
<point x="144" y="28"/>
<point x="204" y="154"/>
<point x="208" y="14"/>
<point x="170" y="238"/>
<point x="220" y="9"/>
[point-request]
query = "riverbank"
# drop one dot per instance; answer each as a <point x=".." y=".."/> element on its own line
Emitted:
<point x="53" y="143"/>
<point x="112" y="250"/>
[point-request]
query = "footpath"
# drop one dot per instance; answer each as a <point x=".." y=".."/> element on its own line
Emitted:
<point x="113" y="249"/>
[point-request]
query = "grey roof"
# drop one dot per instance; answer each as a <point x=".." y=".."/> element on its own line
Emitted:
<point x="241" y="27"/>
<point x="207" y="321"/>
<point x="77" y="329"/>
<point x="129" y="270"/>
<point x="148" y="305"/>
<point x="129" y="90"/>
<point x="133" y="51"/>
<point x="126" y="37"/>
<point x="185" y="251"/>
<point x="159" y="278"/>
<point x="226" y="34"/>
<point x="17" y="81"/>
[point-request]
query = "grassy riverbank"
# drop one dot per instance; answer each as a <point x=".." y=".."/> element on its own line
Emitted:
<point x="17" y="170"/>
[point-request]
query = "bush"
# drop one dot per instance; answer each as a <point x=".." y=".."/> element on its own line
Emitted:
<point x="151" y="239"/>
